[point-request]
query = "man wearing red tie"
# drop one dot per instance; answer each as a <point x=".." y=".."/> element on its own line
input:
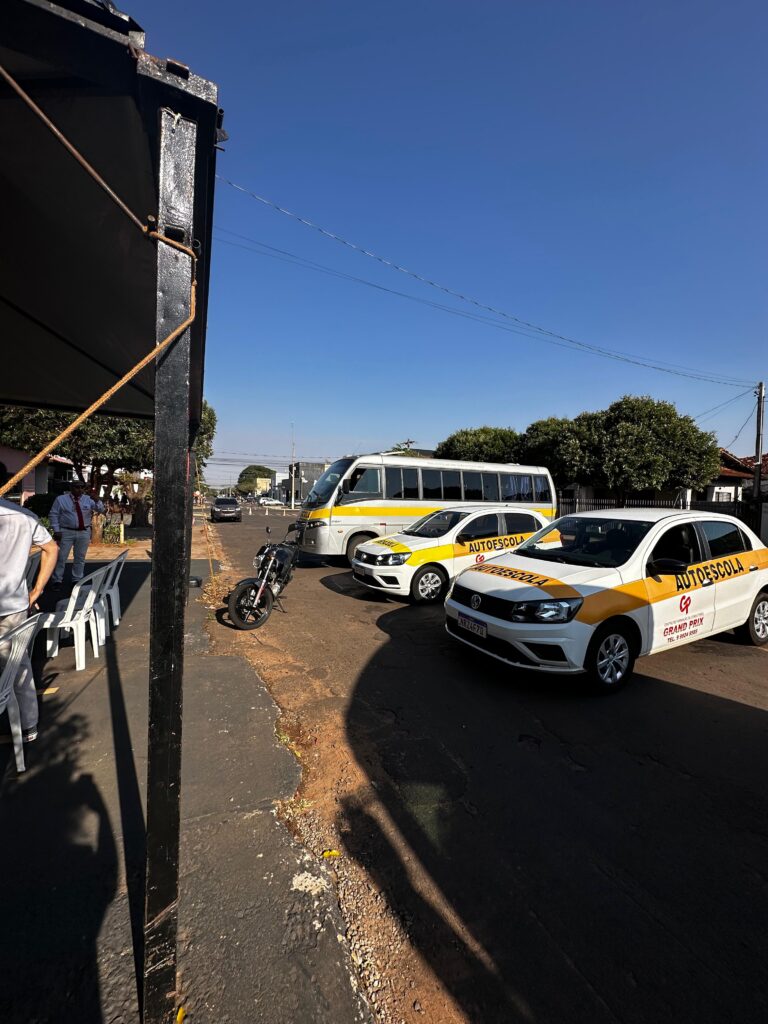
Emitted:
<point x="70" y="517"/>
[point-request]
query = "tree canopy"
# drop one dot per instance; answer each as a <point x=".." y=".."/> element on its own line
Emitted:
<point x="636" y="444"/>
<point x="480" y="444"/>
<point x="111" y="442"/>
<point x="247" y="481"/>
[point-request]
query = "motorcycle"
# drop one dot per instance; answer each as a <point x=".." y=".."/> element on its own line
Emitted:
<point x="251" y="602"/>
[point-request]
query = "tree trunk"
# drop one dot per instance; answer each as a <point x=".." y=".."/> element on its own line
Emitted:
<point x="97" y="528"/>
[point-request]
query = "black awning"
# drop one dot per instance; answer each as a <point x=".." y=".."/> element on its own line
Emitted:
<point x="77" y="278"/>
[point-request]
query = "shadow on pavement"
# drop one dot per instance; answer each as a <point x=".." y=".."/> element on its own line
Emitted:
<point x="586" y="859"/>
<point x="58" y="866"/>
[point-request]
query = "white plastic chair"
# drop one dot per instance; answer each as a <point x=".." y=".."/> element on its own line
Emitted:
<point x="19" y="640"/>
<point x="77" y="613"/>
<point x="111" y="593"/>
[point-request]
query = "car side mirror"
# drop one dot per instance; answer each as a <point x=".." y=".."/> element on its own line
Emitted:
<point x="658" y="567"/>
<point x="463" y="538"/>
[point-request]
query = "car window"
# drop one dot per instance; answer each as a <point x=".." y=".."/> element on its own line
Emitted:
<point x="725" y="539"/>
<point x="520" y="522"/>
<point x="482" y="526"/>
<point x="679" y="542"/>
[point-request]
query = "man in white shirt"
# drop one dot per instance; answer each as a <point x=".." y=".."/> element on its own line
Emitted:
<point x="70" y="517"/>
<point x="19" y="530"/>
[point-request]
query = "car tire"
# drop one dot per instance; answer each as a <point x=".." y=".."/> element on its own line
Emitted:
<point x="610" y="659"/>
<point x="354" y="543"/>
<point x="429" y="585"/>
<point x="755" y="630"/>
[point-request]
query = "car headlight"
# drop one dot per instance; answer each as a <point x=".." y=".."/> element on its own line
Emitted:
<point x="393" y="558"/>
<point x="313" y="524"/>
<point x="545" y="611"/>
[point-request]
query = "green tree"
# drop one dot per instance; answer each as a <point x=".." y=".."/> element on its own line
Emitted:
<point x="247" y="481"/>
<point x="480" y="444"/>
<point x="556" y="444"/>
<point x="203" y="446"/>
<point x="639" y="444"/>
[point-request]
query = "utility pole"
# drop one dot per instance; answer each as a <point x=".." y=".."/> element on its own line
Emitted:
<point x="759" y="440"/>
<point x="293" y="468"/>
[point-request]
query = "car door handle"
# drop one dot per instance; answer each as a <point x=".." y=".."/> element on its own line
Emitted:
<point x="707" y="583"/>
<point x="753" y="568"/>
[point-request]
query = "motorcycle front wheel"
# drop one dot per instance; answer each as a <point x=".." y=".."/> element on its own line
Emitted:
<point x="242" y="605"/>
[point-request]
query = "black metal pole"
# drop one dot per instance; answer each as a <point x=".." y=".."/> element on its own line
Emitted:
<point x="170" y="569"/>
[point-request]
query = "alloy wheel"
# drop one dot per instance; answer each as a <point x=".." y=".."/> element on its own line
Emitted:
<point x="613" y="659"/>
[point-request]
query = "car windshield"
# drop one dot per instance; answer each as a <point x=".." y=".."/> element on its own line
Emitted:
<point x="582" y="540"/>
<point x="226" y="502"/>
<point x="327" y="484"/>
<point x="436" y="524"/>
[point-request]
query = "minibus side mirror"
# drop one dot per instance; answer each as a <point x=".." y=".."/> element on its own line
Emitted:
<point x="345" y="486"/>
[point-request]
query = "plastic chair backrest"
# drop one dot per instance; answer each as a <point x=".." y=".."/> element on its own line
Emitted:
<point x="94" y="583"/>
<point x="19" y="639"/>
<point x="114" y="571"/>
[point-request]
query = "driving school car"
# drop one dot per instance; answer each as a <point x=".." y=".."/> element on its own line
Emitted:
<point x="613" y="585"/>
<point x="421" y="560"/>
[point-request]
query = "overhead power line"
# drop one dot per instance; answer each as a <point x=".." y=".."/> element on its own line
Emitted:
<point x="741" y="428"/>
<point x="707" y="414"/>
<point x="543" y="332"/>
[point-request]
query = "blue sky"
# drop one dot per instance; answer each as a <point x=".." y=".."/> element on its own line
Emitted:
<point x="598" y="168"/>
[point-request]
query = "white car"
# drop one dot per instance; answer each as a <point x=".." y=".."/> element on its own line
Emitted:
<point x="593" y="591"/>
<point x="421" y="560"/>
<point x="270" y="501"/>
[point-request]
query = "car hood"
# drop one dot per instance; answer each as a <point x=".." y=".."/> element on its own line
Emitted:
<point x="401" y="543"/>
<point x="528" y="579"/>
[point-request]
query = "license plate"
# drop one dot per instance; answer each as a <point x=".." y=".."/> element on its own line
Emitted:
<point x="472" y="625"/>
<point x="361" y="573"/>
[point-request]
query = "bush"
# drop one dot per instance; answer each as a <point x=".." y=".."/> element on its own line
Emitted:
<point x="40" y="504"/>
<point x="111" y="533"/>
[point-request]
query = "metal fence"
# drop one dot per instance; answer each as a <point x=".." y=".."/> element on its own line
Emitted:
<point x="749" y="512"/>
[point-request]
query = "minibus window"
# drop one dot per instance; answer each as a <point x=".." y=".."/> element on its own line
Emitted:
<point x="411" y="483"/>
<point x="394" y="482"/>
<point x="473" y="490"/>
<point x="509" y="488"/>
<point x="364" y="482"/>
<point x="451" y="485"/>
<point x="490" y="486"/>
<point x="524" y="488"/>
<point x="431" y="484"/>
<point x="541" y="490"/>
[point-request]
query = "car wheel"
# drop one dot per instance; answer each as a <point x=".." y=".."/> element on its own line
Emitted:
<point x="610" y="657"/>
<point x="755" y="629"/>
<point x="429" y="585"/>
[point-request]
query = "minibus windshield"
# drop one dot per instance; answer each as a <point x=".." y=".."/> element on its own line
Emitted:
<point x="327" y="484"/>
<point x="583" y="540"/>
<point x="436" y="524"/>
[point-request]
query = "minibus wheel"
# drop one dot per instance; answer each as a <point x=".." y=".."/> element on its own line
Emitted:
<point x="355" y="542"/>
<point x="428" y="585"/>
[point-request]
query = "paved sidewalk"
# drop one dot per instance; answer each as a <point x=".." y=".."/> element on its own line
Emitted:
<point x="260" y="932"/>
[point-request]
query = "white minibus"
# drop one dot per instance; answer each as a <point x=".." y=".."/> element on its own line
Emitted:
<point x="365" y="496"/>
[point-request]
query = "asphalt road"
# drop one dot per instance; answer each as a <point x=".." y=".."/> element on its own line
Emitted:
<point x="607" y="856"/>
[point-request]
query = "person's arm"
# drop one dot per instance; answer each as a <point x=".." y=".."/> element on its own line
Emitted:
<point x="49" y="554"/>
<point x="54" y="517"/>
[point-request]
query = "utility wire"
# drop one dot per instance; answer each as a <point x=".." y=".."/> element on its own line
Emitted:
<point x="746" y="421"/>
<point x="284" y="256"/>
<point x="708" y="412"/>
<point x="571" y="342"/>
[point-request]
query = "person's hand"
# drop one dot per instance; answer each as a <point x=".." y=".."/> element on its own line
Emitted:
<point x="34" y="595"/>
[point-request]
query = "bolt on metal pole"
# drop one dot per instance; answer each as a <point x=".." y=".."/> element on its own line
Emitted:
<point x="756" y="487"/>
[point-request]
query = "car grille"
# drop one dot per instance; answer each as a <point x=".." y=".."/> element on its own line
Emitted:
<point x="366" y="556"/>
<point x="495" y="606"/>
<point x="491" y="644"/>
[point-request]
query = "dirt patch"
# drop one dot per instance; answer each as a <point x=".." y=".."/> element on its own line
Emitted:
<point x="337" y="813"/>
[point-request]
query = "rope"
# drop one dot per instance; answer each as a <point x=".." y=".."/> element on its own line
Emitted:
<point x="154" y="236"/>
